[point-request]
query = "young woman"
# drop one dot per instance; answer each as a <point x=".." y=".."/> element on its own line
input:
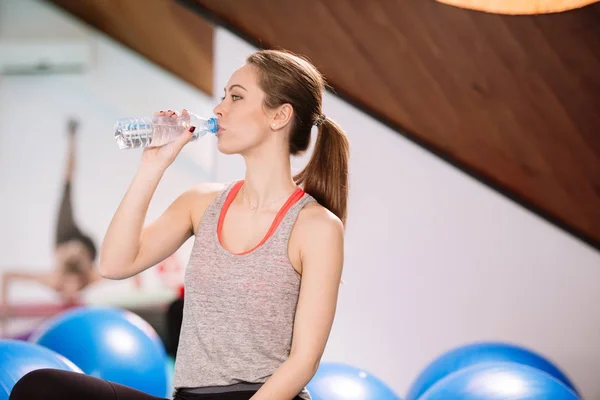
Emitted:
<point x="262" y="282"/>
<point x="74" y="253"/>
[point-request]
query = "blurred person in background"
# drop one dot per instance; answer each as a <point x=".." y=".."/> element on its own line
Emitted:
<point x="75" y="251"/>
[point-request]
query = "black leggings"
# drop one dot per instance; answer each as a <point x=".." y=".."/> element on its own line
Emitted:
<point x="54" y="384"/>
<point x="66" y="227"/>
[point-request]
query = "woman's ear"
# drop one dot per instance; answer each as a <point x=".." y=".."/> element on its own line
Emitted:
<point x="282" y="117"/>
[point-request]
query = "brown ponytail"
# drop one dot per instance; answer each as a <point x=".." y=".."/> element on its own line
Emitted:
<point x="325" y="177"/>
<point x="289" y="79"/>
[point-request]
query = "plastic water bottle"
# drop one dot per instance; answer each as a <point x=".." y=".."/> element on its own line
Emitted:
<point x="136" y="132"/>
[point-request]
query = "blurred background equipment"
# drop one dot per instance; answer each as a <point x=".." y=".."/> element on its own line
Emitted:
<point x="487" y="353"/>
<point x="44" y="56"/>
<point x="18" y="358"/>
<point x="501" y="381"/>
<point x="337" y="381"/>
<point x="111" y="344"/>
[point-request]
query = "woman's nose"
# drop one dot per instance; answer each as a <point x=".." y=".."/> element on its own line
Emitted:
<point x="218" y="110"/>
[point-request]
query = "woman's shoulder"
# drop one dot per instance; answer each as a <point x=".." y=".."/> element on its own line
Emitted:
<point x="318" y="236"/>
<point x="315" y="218"/>
<point x="208" y="189"/>
<point x="199" y="197"/>
<point x="202" y="193"/>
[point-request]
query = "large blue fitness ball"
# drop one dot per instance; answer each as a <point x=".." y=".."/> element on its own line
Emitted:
<point x="501" y="381"/>
<point x="17" y="358"/>
<point x="478" y="353"/>
<point x="111" y="344"/>
<point x="335" y="381"/>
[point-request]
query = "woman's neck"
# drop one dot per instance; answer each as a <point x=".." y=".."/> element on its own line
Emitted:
<point x="268" y="179"/>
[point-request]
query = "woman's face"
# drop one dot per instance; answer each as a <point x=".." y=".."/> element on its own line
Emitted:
<point x="243" y="123"/>
<point x="70" y="287"/>
<point x="73" y="250"/>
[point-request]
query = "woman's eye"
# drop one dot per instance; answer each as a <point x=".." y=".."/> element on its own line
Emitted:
<point x="234" y="97"/>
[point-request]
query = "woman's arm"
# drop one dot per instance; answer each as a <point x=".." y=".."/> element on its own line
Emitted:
<point x="8" y="277"/>
<point x="129" y="248"/>
<point x="44" y="278"/>
<point x="322" y="255"/>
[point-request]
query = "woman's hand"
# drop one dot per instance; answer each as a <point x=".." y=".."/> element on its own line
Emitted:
<point x="161" y="157"/>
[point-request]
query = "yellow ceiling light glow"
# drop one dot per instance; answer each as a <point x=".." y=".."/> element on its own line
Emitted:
<point x="519" y="7"/>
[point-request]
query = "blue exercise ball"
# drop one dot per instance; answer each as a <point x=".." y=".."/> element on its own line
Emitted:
<point x="334" y="381"/>
<point x="477" y="353"/>
<point x="111" y="344"/>
<point x="18" y="358"/>
<point x="499" y="381"/>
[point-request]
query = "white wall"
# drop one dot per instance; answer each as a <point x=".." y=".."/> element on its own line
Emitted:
<point x="435" y="259"/>
<point x="33" y="115"/>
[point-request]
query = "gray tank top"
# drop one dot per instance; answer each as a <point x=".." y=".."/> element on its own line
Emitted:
<point x="239" y="310"/>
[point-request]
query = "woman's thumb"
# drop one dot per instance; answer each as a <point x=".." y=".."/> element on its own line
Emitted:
<point x="186" y="136"/>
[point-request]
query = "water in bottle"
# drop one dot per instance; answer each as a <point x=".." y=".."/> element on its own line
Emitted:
<point x="136" y="132"/>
